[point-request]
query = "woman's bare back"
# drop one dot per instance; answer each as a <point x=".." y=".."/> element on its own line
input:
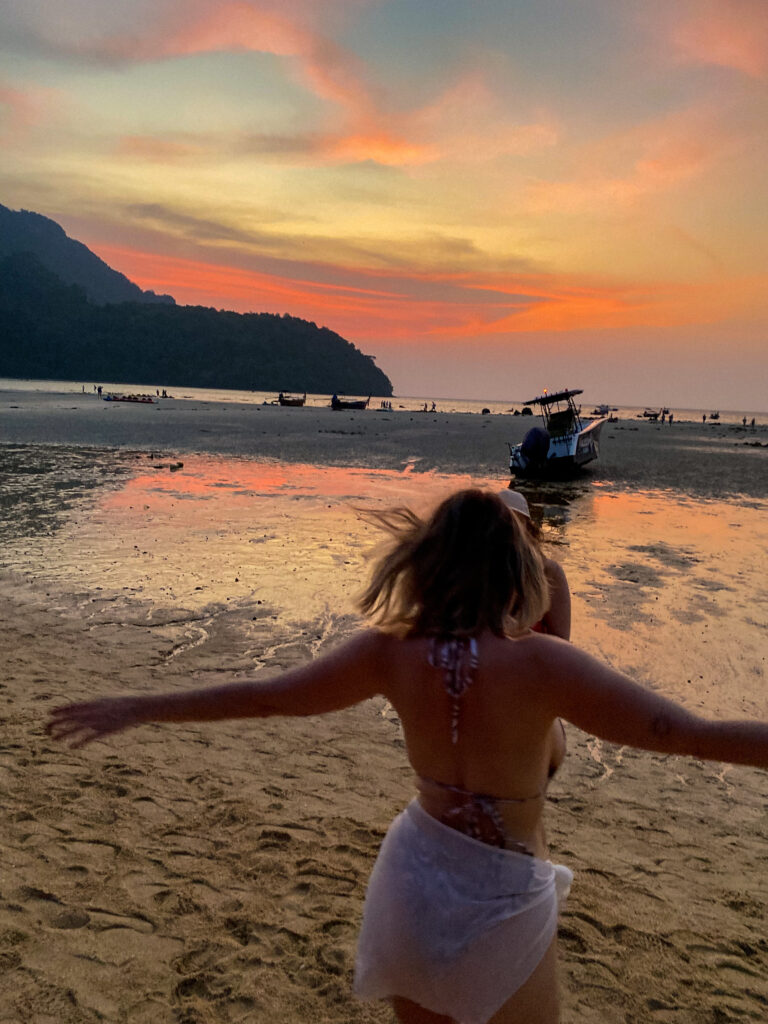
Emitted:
<point x="506" y="742"/>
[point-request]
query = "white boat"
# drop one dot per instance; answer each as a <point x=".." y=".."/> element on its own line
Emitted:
<point x="563" y="445"/>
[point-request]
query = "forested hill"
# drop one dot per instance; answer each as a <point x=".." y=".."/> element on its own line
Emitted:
<point x="49" y="330"/>
<point x="24" y="231"/>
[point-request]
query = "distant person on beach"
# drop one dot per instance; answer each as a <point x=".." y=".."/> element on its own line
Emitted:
<point x="556" y="620"/>
<point x="671" y="417"/>
<point x="461" y="912"/>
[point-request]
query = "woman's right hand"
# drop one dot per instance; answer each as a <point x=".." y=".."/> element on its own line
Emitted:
<point x="79" y="724"/>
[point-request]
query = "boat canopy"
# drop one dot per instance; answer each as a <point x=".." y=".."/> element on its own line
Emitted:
<point x="556" y="396"/>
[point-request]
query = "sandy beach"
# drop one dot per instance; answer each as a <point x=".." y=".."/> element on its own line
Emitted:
<point x="203" y="874"/>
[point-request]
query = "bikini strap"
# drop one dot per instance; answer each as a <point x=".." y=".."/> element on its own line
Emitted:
<point x="458" y="659"/>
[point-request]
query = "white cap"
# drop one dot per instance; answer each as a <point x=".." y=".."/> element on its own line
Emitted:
<point x="515" y="501"/>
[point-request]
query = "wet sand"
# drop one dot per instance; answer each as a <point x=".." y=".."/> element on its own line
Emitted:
<point x="216" y="873"/>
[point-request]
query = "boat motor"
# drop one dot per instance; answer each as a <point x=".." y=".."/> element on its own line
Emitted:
<point x="535" y="446"/>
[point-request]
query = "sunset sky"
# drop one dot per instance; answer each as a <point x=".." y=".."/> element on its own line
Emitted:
<point x="490" y="196"/>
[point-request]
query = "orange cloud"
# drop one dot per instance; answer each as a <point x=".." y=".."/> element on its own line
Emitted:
<point x="401" y="307"/>
<point x="381" y="148"/>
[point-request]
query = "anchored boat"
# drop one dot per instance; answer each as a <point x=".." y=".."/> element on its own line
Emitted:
<point x="137" y="399"/>
<point x="292" y="400"/>
<point x="349" y="403"/>
<point x="563" y="445"/>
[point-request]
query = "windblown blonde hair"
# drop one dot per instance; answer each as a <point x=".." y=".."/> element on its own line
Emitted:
<point x="469" y="567"/>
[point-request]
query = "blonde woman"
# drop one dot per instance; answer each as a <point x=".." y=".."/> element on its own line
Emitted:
<point x="461" y="911"/>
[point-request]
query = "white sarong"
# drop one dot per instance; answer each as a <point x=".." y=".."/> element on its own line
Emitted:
<point x="451" y="923"/>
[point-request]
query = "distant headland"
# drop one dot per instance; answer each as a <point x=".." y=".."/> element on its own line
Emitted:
<point x="67" y="315"/>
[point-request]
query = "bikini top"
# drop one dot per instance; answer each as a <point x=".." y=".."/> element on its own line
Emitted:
<point x="458" y="658"/>
<point x="476" y="814"/>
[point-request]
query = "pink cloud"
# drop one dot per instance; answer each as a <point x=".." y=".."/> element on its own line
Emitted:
<point x="644" y="160"/>
<point x="22" y="109"/>
<point x="236" y="27"/>
<point x="332" y="73"/>
<point x="465" y="123"/>
<point x="462" y="123"/>
<point x="730" y="35"/>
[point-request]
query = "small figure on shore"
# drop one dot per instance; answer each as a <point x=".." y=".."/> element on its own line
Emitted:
<point x="704" y="418"/>
<point x="434" y="408"/>
<point x="743" y="421"/>
<point x="671" y="417"/>
<point x="460" y="917"/>
<point x="98" y="390"/>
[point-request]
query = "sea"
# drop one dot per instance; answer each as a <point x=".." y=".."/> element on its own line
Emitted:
<point x="407" y="403"/>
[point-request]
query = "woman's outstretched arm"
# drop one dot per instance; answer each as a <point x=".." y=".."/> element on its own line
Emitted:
<point x="608" y="704"/>
<point x="345" y="676"/>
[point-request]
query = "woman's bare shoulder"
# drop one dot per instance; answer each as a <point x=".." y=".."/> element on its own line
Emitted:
<point x="554" y="571"/>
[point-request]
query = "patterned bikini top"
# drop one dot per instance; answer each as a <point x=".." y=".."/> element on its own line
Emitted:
<point x="458" y="658"/>
<point x="476" y="814"/>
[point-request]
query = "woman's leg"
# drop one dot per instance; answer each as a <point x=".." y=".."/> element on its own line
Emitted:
<point x="538" y="1000"/>
<point x="535" y="1002"/>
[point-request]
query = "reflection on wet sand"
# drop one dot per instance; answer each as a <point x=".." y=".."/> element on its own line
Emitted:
<point x="670" y="590"/>
<point x="179" y="549"/>
<point x="550" y="503"/>
<point x="248" y="540"/>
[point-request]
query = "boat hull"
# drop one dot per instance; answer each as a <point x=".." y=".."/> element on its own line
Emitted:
<point x="342" y="403"/>
<point x="566" y="456"/>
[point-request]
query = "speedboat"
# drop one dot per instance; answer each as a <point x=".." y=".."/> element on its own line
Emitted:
<point x="563" y="445"/>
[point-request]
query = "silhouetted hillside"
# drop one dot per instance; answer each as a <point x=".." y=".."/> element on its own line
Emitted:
<point x="49" y="330"/>
<point x="23" y="231"/>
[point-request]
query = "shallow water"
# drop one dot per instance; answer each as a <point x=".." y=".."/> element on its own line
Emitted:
<point x="669" y="589"/>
